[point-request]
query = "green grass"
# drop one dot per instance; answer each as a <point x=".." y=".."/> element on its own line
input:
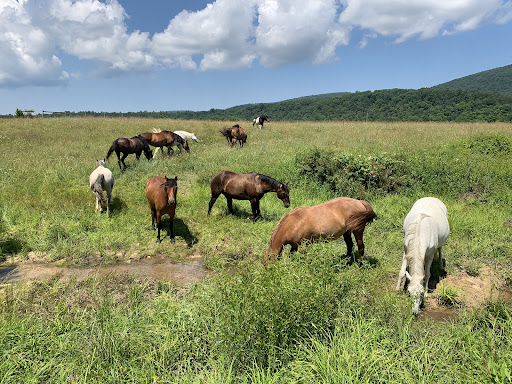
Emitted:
<point x="314" y="317"/>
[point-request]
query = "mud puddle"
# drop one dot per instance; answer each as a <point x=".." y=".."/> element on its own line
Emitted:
<point x="185" y="273"/>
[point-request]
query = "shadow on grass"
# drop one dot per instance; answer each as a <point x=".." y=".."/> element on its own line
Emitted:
<point x="180" y="229"/>
<point x="117" y="205"/>
<point x="9" y="247"/>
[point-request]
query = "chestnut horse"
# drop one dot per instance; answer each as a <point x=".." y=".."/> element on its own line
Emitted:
<point x="234" y="134"/>
<point x="166" y="139"/>
<point x="126" y="146"/>
<point x="336" y="217"/>
<point x="249" y="186"/>
<point x="161" y="194"/>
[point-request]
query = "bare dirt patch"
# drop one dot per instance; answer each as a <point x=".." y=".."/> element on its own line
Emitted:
<point x="473" y="292"/>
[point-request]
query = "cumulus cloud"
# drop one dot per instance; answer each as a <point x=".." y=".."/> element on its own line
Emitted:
<point x="225" y="35"/>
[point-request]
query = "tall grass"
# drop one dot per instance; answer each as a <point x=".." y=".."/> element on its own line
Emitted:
<point x="314" y="317"/>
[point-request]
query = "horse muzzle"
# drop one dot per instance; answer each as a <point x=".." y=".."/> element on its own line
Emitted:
<point x="171" y="202"/>
<point x="286" y="204"/>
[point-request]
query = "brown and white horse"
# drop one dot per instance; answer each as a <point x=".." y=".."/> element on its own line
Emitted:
<point x="259" y="121"/>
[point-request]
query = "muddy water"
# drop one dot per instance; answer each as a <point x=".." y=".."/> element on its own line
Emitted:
<point x="190" y="271"/>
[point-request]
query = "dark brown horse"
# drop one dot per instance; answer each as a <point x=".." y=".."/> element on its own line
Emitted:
<point x="126" y="146"/>
<point x="249" y="186"/>
<point x="161" y="194"/>
<point x="166" y="139"/>
<point x="340" y="216"/>
<point x="234" y="134"/>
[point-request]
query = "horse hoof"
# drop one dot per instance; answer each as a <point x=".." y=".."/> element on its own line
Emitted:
<point x="158" y="241"/>
<point x="173" y="241"/>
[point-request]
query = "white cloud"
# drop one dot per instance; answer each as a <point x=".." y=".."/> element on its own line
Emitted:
<point x="225" y="35"/>
<point x="422" y="18"/>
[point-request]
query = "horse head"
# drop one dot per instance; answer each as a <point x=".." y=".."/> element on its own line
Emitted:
<point x="185" y="146"/>
<point x="283" y="193"/>
<point x="171" y="189"/>
<point x="146" y="148"/>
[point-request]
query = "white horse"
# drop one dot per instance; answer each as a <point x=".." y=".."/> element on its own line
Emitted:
<point x="102" y="179"/>
<point x="187" y="135"/>
<point x="426" y="230"/>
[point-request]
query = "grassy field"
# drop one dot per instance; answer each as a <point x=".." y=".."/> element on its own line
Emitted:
<point x="314" y="317"/>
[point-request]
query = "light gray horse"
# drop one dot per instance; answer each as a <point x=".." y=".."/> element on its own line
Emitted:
<point x="102" y="179"/>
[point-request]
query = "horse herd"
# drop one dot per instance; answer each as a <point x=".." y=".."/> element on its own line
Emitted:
<point x="425" y="227"/>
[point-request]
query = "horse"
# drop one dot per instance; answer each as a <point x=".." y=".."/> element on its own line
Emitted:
<point x="167" y="139"/>
<point x="249" y="186"/>
<point x="336" y="217"/>
<point x="187" y="135"/>
<point x="234" y="134"/>
<point x="161" y="194"/>
<point x="102" y="179"/>
<point x="426" y="230"/>
<point x="259" y="121"/>
<point x="126" y="146"/>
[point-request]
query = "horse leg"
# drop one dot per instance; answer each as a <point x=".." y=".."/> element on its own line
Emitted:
<point x="109" y="196"/>
<point x="137" y="155"/>
<point x="428" y="263"/>
<point x="171" y="228"/>
<point x="170" y="151"/>
<point x="230" y="204"/>
<point x="360" y="245"/>
<point x="153" y="215"/>
<point x="255" y="206"/>
<point x="125" y="155"/>
<point x="212" y="201"/>
<point x="158" y="225"/>
<point x="347" y="236"/>
<point x="119" y="160"/>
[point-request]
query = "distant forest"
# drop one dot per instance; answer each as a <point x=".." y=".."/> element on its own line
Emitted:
<point x="426" y="104"/>
<point x="484" y="96"/>
<point x="497" y="80"/>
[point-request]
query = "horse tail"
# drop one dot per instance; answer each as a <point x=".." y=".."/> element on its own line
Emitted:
<point x="97" y="188"/>
<point x="358" y="222"/>
<point x="113" y="147"/>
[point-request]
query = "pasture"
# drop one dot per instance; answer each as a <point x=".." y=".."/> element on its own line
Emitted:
<point x="313" y="316"/>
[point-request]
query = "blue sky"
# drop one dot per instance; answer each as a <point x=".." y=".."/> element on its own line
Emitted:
<point x="161" y="55"/>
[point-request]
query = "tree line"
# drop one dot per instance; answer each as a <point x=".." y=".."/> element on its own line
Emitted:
<point x="426" y="104"/>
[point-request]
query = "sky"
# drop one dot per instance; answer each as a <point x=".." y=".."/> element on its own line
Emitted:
<point x="167" y="55"/>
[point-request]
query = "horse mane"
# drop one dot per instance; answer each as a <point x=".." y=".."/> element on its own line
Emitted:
<point x="358" y="221"/>
<point x="169" y="183"/>
<point x="269" y="180"/>
<point x="411" y="244"/>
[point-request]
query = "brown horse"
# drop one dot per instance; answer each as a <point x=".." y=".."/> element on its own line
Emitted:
<point x="234" y="134"/>
<point x="336" y="217"/>
<point x="249" y="186"/>
<point x="161" y="194"/>
<point x="166" y="139"/>
<point x="126" y="146"/>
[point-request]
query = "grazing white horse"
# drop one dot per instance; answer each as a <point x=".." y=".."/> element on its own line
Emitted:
<point x="426" y="230"/>
<point x="187" y="135"/>
<point x="102" y="179"/>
